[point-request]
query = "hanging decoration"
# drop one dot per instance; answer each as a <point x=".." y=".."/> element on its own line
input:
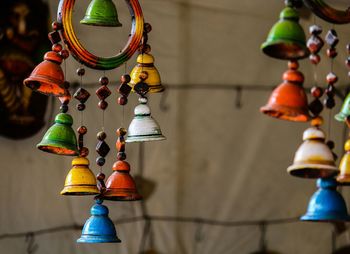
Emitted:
<point x="49" y="78"/>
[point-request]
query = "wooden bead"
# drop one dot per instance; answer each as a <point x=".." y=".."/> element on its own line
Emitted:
<point x="348" y="48"/>
<point x="56" y="47"/>
<point x="103" y="105"/>
<point x="56" y="26"/>
<point x="121" y="132"/>
<point x="64" y="53"/>
<point x="101" y="135"/>
<point x="330" y="144"/>
<point x="331" y="78"/>
<point x="122" y="100"/>
<point x="81" y="106"/>
<point x="317" y="121"/>
<point x="101" y="176"/>
<point x="315" y="59"/>
<point x="293" y="65"/>
<point x="347" y="62"/>
<point x="81" y="72"/>
<point x="66" y="85"/>
<point x="82" y="130"/>
<point x="125" y="79"/>
<point x="121" y="156"/>
<point x="100" y="161"/>
<point x="104" y="81"/>
<point x="120" y="145"/>
<point x="64" y="108"/>
<point x="147" y="27"/>
<point x="316" y="91"/>
<point x="332" y="52"/>
<point x="84" y="152"/>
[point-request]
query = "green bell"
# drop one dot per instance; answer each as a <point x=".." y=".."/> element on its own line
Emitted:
<point x="345" y="110"/>
<point x="60" y="138"/>
<point x="286" y="39"/>
<point x="101" y="13"/>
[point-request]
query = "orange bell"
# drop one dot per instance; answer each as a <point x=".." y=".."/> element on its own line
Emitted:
<point x="289" y="101"/>
<point x="47" y="77"/>
<point x="120" y="186"/>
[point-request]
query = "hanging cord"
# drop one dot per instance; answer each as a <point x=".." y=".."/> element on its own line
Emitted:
<point x="198" y="236"/>
<point x="262" y="243"/>
<point x="32" y="247"/>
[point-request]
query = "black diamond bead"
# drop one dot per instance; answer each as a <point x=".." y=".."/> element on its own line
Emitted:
<point x="124" y="89"/>
<point x="316" y="107"/>
<point x="102" y="148"/>
<point x="332" y="38"/>
<point x="54" y="37"/>
<point x="103" y="92"/>
<point x="329" y="102"/>
<point x="82" y="95"/>
<point x="141" y="88"/>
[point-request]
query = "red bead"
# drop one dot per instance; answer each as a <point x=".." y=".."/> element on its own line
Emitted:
<point x="148" y="27"/>
<point x="331" y="78"/>
<point x="57" y="47"/>
<point x="84" y="152"/>
<point x="101" y="176"/>
<point x="81" y="71"/>
<point x="315" y="59"/>
<point x="82" y="130"/>
<point x="104" y="81"/>
<point x="347" y="62"/>
<point x="293" y="65"/>
<point x="64" y="53"/>
<point x="103" y="105"/>
<point x="122" y="100"/>
<point x="332" y="52"/>
<point x="121" y="156"/>
<point x="125" y="79"/>
<point x="81" y="106"/>
<point x="56" y="25"/>
<point x="316" y="91"/>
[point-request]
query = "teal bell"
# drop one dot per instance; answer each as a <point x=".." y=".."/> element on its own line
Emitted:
<point x="286" y="39"/>
<point x="345" y="110"/>
<point x="101" y="13"/>
<point x="60" y="138"/>
<point x="326" y="205"/>
<point x="99" y="228"/>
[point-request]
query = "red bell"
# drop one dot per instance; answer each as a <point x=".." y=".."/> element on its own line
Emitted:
<point x="289" y="101"/>
<point x="120" y="186"/>
<point x="47" y="77"/>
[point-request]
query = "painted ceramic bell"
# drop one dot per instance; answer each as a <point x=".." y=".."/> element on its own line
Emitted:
<point x="101" y="13"/>
<point x="345" y="110"/>
<point x="326" y="205"/>
<point x="143" y="127"/>
<point x="289" y="101"/>
<point x="60" y="138"/>
<point x="313" y="159"/>
<point x="344" y="166"/>
<point x="145" y="62"/>
<point x="99" y="228"/>
<point x="48" y="78"/>
<point x="120" y="186"/>
<point x="286" y="39"/>
<point x="80" y="179"/>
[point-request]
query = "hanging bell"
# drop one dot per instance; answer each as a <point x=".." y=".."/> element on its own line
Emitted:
<point x="99" y="228"/>
<point x="80" y="179"/>
<point x="326" y="205"/>
<point x="145" y="62"/>
<point x="60" y="138"/>
<point x="143" y="127"/>
<point x="120" y="186"/>
<point x="345" y="110"/>
<point x="101" y="13"/>
<point x="344" y="166"/>
<point x="47" y="77"/>
<point x="313" y="159"/>
<point x="289" y="101"/>
<point x="286" y="39"/>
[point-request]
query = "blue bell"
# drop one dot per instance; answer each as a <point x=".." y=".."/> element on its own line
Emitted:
<point x="326" y="205"/>
<point x="99" y="228"/>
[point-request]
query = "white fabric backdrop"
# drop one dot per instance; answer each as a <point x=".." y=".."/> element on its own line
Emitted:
<point x="218" y="162"/>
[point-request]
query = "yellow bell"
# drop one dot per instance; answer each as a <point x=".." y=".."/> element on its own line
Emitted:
<point x="145" y="62"/>
<point x="80" y="179"/>
<point x="344" y="176"/>
<point x="313" y="159"/>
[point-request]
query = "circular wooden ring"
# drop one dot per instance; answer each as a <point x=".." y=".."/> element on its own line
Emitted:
<point x="328" y="13"/>
<point x="64" y="16"/>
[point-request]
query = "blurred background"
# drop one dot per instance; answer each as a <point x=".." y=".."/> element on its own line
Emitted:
<point x="221" y="173"/>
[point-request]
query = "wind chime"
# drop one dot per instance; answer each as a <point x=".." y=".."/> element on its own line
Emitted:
<point x="314" y="158"/>
<point x="48" y="78"/>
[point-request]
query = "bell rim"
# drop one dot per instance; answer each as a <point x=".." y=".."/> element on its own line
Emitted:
<point x="98" y="239"/>
<point x="145" y="138"/>
<point x="343" y="179"/>
<point x="80" y="190"/>
<point x="313" y="171"/>
<point x="114" y="194"/>
<point x="40" y="79"/>
<point x="328" y="218"/>
<point x="269" y="49"/>
<point x="340" y="117"/>
<point x="113" y="23"/>
<point x="283" y="113"/>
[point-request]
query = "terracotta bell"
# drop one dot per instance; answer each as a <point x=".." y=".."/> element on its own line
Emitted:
<point x="326" y="205"/>
<point x="101" y="13"/>
<point x="313" y="159"/>
<point x="60" y="138"/>
<point x="344" y="166"/>
<point x="286" y="39"/>
<point x="99" y="228"/>
<point x="80" y="179"/>
<point x="289" y="101"/>
<point x="143" y="127"/>
<point x="47" y="77"/>
<point x="145" y="62"/>
<point x="120" y="186"/>
<point x="345" y="110"/>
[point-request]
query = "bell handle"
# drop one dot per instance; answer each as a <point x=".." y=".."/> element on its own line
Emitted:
<point x="328" y="13"/>
<point x="82" y="55"/>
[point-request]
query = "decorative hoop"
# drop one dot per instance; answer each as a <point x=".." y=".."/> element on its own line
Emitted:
<point x="328" y="13"/>
<point x="77" y="50"/>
